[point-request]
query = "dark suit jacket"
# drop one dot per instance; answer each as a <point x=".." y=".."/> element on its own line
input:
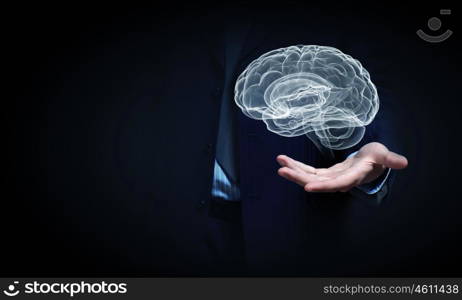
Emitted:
<point x="166" y="149"/>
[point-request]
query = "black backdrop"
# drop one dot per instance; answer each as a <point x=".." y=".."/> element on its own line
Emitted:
<point x="63" y="50"/>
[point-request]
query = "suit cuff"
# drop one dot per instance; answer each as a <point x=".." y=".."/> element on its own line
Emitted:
<point x="374" y="186"/>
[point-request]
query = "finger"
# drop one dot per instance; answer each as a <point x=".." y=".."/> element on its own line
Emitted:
<point x="286" y="161"/>
<point x="341" y="183"/>
<point x="322" y="171"/>
<point x="292" y="175"/>
<point x="332" y="170"/>
<point x="394" y="160"/>
<point x="305" y="167"/>
<point x="298" y="177"/>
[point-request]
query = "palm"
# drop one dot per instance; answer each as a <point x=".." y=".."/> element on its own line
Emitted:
<point x="368" y="164"/>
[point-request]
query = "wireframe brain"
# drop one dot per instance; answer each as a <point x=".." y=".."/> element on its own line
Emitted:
<point x="309" y="90"/>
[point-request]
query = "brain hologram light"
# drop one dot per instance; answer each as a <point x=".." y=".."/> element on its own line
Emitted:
<point x="311" y="90"/>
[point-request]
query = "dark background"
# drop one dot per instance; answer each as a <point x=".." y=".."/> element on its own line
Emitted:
<point x="63" y="113"/>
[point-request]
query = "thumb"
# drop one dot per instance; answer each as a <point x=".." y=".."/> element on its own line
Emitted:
<point x="394" y="160"/>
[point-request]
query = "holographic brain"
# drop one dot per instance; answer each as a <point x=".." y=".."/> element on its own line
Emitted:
<point x="310" y="90"/>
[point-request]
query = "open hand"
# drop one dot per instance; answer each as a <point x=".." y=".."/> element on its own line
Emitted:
<point x="365" y="166"/>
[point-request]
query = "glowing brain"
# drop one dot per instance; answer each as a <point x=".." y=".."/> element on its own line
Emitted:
<point x="310" y="90"/>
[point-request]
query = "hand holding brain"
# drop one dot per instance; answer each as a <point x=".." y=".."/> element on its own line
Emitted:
<point x="314" y="90"/>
